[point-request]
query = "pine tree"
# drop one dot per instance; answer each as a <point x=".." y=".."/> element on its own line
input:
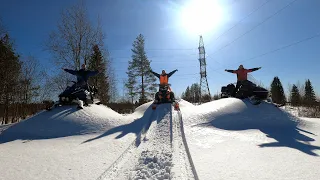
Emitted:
<point x="9" y="74"/>
<point x="309" y="96"/>
<point x="139" y="69"/>
<point x="295" y="96"/>
<point x="277" y="92"/>
<point x="192" y="93"/>
<point x="186" y="95"/>
<point x="195" y="90"/>
<point x="97" y="62"/>
<point x="130" y="85"/>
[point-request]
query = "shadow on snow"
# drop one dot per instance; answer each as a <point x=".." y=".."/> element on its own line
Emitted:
<point x="139" y="125"/>
<point x="273" y="122"/>
<point x="45" y="125"/>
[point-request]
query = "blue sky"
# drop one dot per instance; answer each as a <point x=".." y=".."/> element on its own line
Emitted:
<point x="172" y="46"/>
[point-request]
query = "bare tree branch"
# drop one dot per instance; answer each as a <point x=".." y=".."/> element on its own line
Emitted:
<point x="71" y="44"/>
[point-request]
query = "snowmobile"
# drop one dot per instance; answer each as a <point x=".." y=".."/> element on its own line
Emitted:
<point x="164" y="95"/>
<point x="246" y="90"/>
<point x="77" y="94"/>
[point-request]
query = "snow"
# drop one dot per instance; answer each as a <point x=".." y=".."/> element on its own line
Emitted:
<point x="223" y="139"/>
<point x="52" y="144"/>
<point x="233" y="139"/>
<point x="4" y="127"/>
<point x="152" y="155"/>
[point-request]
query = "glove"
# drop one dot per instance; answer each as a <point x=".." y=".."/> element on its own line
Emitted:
<point x="259" y="67"/>
<point x="176" y="69"/>
<point x="225" y="70"/>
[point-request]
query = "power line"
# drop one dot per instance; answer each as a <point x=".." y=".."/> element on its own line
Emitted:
<point x="165" y="49"/>
<point x="215" y="70"/>
<point x="265" y="20"/>
<point x="266" y="53"/>
<point x="169" y="49"/>
<point x="280" y="48"/>
<point x="169" y="56"/>
<point x="255" y="10"/>
<point x="158" y="61"/>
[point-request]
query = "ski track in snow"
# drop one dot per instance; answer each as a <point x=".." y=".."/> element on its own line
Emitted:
<point x="161" y="154"/>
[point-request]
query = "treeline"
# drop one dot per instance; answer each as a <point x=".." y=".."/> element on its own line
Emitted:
<point x="193" y="94"/>
<point x="19" y="82"/>
<point x="27" y="88"/>
<point x="299" y="95"/>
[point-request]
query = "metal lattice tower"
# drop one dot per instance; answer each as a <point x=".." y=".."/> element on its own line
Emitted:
<point x="204" y="87"/>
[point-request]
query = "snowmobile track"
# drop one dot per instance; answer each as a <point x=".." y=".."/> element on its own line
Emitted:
<point x="184" y="167"/>
<point x="112" y="171"/>
<point x="193" y="168"/>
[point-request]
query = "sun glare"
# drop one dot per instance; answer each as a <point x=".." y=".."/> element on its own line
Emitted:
<point x="201" y="16"/>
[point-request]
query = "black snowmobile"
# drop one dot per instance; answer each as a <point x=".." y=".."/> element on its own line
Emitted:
<point x="85" y="93"/>
<point x="72" y="94"/>
<point x="165" y="96"/>
<point x="246" y="90"/>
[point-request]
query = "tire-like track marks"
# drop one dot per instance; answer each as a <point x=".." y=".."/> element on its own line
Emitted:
<point x="162" y="154"/>
<point x="113" y="169"/>
<point x="180" y="129"/>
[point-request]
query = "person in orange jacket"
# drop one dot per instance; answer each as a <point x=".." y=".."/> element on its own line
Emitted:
<point x="242" y="75"/>
<point x="164" y="79"/>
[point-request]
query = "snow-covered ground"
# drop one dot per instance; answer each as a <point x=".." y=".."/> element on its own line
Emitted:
<point x="224" y="139"/>
<point x="233" y="139"/>
<point x="55" y="144"/>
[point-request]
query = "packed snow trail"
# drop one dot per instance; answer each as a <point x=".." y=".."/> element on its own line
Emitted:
<point x="162" y="153"/>
<point x="184" y="166"/>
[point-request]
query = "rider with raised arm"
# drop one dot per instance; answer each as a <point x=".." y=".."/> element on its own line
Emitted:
<point x="82" y="75"/>
<point x="164" y="79"/>
<point x="242" y="75"/>
<point x="82" y="78"/>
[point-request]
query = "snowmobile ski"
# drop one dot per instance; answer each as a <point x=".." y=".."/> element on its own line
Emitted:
<point x="254" y="100"/>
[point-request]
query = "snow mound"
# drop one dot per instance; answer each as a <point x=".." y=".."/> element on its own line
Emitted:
<point x="184" y="103"/>
<point x="236" y="114"/>
<point x="64" y="121"/>
<point x="240" y="115"/>
<point x="142" y="108"/>
<point x="233" y="139"/>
